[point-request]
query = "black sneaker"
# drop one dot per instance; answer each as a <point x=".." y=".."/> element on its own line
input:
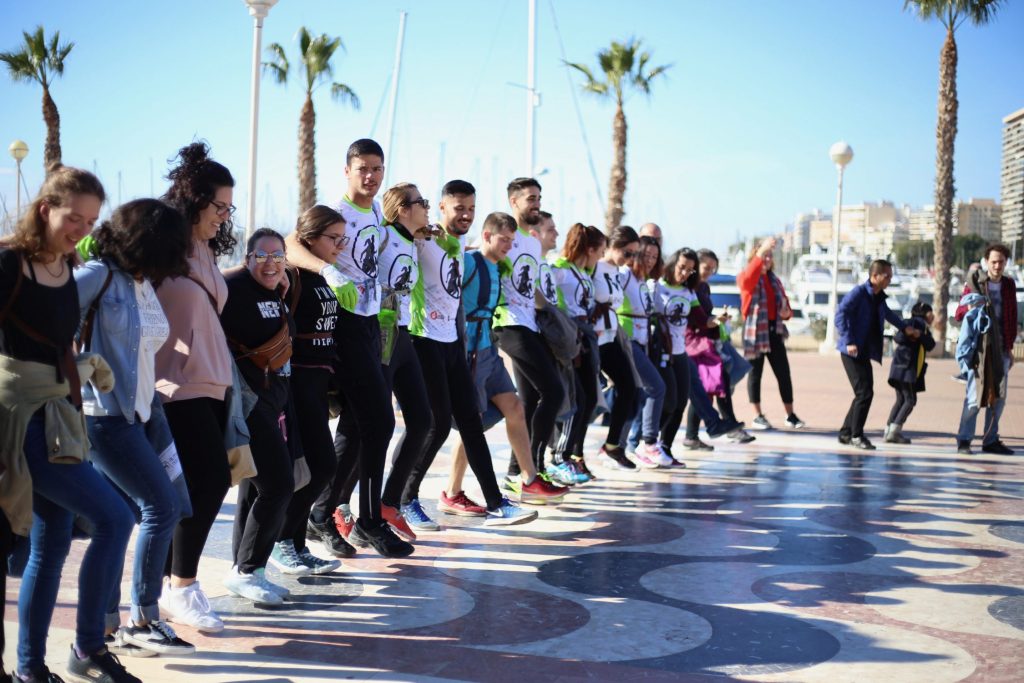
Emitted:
<point x="996" y="447"/>
<point x="794" y="422"/>
<point x="156" y="637"/>
<point x="44" y="675"/>
<point x="327" y="533"/>
<point x="964" y="448"/>
<point x="844" y="439"/>
<point x="101" y="667"/>
<point x="116" y="643"/>
<point x="697" y="445"/>
<point x="382" y="539"/>
<point x="618" y="457"/>
<point x="862" y="443"/>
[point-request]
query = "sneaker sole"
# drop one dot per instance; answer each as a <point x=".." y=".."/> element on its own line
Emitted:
<point x="156" y="649"/>
<point x="201" y="629"/>
<point x="449" y="510"/>
<point x="317" y="571"/>
<point x="258" y="603"/>
<point x="121" y="651"/>
<point x="510" y="521"/>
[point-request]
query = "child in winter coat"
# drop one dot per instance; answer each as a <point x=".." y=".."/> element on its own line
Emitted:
<point x="906" y="375"/>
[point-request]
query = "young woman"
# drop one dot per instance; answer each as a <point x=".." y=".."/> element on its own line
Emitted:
<point x="584" y="247"/>
<point x="144" y="242"/>
<point x="258" y="328"/>
<point x="622" y="246"/>
<point x="40" y="390"/>
<point x="193" y="371"/>
<point x="320" y="229"/>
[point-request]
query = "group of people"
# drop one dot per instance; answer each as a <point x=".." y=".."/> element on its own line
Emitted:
<point x="139" y="382"/>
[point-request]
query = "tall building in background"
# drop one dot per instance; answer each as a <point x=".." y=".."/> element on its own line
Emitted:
<point x="979" y="217"/>
<point x="921" y="224"/>
<point x="1012" y="180"/>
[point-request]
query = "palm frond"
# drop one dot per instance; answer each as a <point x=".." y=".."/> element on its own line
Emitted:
<point x="277" y="64"/>
<point x="342" y="93"/>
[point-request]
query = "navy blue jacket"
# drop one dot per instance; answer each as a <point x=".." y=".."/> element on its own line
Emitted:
<point x="903" y="371"/>
<point x="853" y="321"/>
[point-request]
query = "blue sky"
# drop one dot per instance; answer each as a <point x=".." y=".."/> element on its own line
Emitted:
<point x="733" y="142"/>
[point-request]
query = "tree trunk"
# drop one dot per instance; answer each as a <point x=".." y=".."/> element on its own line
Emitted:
<point x="51" y="152"/>
<point x="617" y="182"/>
<point x="945" y="136"/>
<point x="307" y="155"/>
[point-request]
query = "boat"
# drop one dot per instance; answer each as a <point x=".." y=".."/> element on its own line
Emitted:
<point x="810" y="281"/>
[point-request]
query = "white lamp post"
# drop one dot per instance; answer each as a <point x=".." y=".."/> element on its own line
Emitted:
<point x="18" y="150"/>
<point x="841" y="154"/>
<point x="259" y="10"/>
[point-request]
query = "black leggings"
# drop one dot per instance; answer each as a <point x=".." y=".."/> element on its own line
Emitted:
<point x="367" y="419"/>
<point x="574" y="431"/>
<point x="309" y="391"/>
<point x="538" y="384"/>
<point x="617" y="366"/>
<point x="779" y="361"/>
<point x="262" y="499"/>
<point x="197" y="425"/>
<point x="677" y="393"/>
<point x="452" y="394"/>
<point x="906" y="399"/>
<point x="724" y="409"/>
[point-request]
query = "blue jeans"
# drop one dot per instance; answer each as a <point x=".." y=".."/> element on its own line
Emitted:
<point x="651" y="398"/>
<point x="969" y="416"/>
<point x="124" y="454"/>
<point x="59" y="492"/>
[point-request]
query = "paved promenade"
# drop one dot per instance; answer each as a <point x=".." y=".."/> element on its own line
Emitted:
<point x="790" y="559"/>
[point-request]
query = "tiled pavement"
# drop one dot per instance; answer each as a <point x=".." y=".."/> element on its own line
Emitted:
<point x="792" y="559"/>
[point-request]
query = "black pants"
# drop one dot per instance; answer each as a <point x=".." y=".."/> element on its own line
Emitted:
<point x="858" y="371"/>
<point x="197" y="426"/>
<point x="309" y="391"/>
<point x="617" y="366"/>
<point x="906" y="399"/>
<point x="452" y="393"/>
<point x="724" y="409"/>
<point x="538" y="384"/>
<point x="574" y="431"/>
<point x="367" y="420"/>
<point x="263" y="499"/>
<point x="779" y="361"/>
<point x="677" y="393"/>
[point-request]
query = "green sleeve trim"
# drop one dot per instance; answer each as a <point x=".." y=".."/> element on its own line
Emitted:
<point x="417" y="307"/>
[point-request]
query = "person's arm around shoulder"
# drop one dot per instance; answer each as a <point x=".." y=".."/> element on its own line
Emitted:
<point x="301" y="257"/>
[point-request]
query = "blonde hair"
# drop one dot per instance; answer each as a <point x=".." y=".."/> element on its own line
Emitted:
<point x="60" y="185"/>
<point x="393" y="200"/>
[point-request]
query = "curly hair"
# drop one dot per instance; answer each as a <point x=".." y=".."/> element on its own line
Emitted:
<point x="314" y="222"/>
<point x="146" y="237"/>
<point x="194" y="182"/>
<point x="60" y="185"/>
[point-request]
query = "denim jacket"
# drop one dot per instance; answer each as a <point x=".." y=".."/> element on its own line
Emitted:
<point x="115" y="335"/>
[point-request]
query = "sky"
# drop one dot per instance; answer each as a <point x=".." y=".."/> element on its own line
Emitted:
<point x="732" y="142"/>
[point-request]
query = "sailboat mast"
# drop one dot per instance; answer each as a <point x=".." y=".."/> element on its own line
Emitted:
<point x="531" y="87"/>
<point x="392" y="106"/>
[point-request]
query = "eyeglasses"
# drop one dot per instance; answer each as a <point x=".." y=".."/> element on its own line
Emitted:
<point x="630" y="255"/>
<point x="339" y="240"/>
<point x="421" y="201"/>
<point x="222" y="208"/>
<point x="261" y="256"/>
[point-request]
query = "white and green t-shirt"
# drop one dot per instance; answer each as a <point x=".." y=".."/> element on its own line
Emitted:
<point x="675" y="304"/>
<point x="357" y="261"/>
<point x="517" y="305"/>
<point x="575" y="289"/>
<point x="637" y="306"/>
<point x="397" y="271"/>
<point x="434" y="305"/>
<point x="607" y="290"/>
<point x="546" y="280"/>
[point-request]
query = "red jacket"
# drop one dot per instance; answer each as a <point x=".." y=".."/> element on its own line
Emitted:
<point x="978" y="283"/>
<point x="747" y="283"/>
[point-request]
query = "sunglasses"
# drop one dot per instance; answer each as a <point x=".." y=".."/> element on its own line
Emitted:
<point x="421" y="201"/>
<point x="339" y="240"/>
<point x="630" y="255"/>
<point x="222" y="208"/>
<point x="261" y="256"/>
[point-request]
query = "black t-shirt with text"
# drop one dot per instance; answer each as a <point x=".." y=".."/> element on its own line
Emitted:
<point x="316" y="313"/>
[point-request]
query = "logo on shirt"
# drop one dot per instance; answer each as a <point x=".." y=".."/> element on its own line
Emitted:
<point x="364" y="250"/>
<point x="583" y="294"/>
<point x="451" y="276"/>
<point x="613" y="283"/>
<point x="524" y="274"/>
<point x="269" y="309"/>
<point x="646" y="301"/>
<point x="400" y="276"/>
<point x="547" y="283"/>
<point x="676" y="310"/>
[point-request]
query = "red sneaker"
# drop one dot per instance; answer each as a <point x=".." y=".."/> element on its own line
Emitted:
<point x="393" y="517"/>
<point x="460" y="504"/>
<point x="344" y="520"/>
<point x="540" y="491"/>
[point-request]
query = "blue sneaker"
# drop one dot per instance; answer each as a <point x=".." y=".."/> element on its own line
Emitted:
<point x="508" y="513"/>
<point x="417" y="518"/>
<point x="562" y="474"/>
<point x="581" y="476"/>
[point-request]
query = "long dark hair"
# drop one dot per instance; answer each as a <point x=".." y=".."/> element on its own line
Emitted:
<point x="621" y="236"/>
<point x="670" y="268"/>
<point x="194" y="183"/>
<point x="146" y="237"/>
<point x="659" y="262"/>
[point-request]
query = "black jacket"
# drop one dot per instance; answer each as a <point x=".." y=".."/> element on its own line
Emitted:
<point x="903" y="372"/>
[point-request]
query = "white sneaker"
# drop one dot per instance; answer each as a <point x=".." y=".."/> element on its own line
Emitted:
<point x="250" y="587"/>
<point x="664" y="459"/>
<point x="190" y="607"/>
<point x="261" y="574"/>
<point x="647" y="455"/>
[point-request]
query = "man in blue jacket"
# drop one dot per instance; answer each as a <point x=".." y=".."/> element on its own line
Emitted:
<point x="859" y="321"/>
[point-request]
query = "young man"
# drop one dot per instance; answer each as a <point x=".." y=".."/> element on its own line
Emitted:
<point x="367" y="420"/>
<point x="434" y="310"/>
<point x="496" y="395"/>
<point x="987" y="383"/>
<point x="860" y="317"/>
<point x="515" y="324"/>
<point x="547" y="233"/>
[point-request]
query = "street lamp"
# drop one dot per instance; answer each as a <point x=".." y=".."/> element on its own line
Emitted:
<point x="18" y="150"/>
<point x="259" y="10"/>
<point x="841" y="154"/>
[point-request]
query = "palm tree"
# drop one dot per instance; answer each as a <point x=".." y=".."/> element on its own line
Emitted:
<point x="41" y="61"/>
<point x="315" y="57"/>
<point x="951" y="14"/>
<point x="624" y="67"/>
